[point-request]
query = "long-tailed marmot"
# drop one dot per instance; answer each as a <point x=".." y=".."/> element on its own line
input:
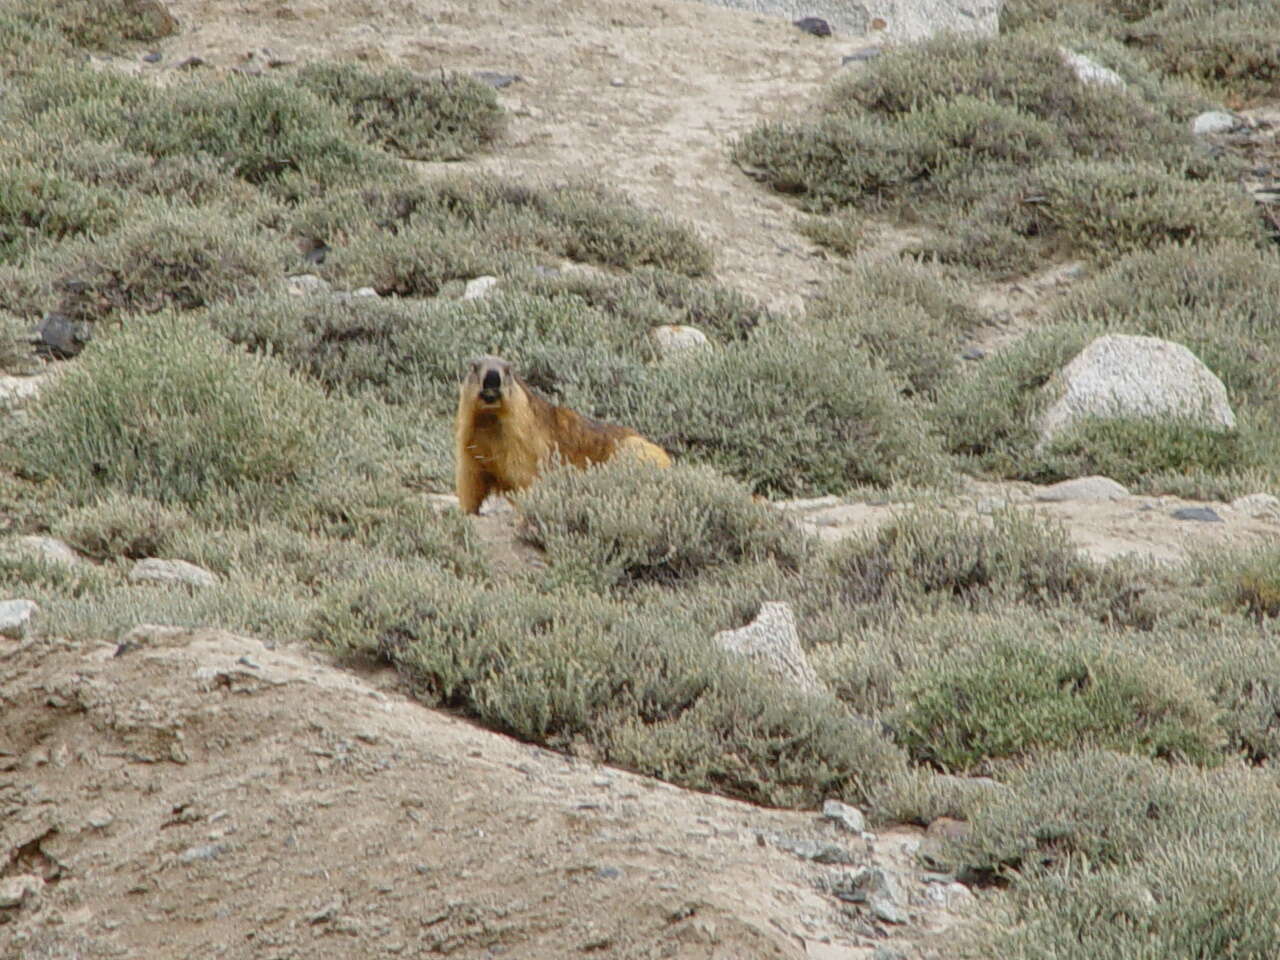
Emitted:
<point x="506" y="432"/>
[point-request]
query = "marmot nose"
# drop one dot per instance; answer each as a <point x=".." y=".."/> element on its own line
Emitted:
<point x="492" y="380"/>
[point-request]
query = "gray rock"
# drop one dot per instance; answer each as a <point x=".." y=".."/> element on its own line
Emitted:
<point x="155" y="570"/>
<point x="861" y="55"/>
<point x="1083" y="488"/>
<point x="1198" y="514"/>
<point x="814" y="25"/>
<point x="365" y="292"/>
<point x="22" y="887"/>
<point x="99" y="818"/>
<point x="479" y="287"/>
<point x="900" y="21"/>
<point x="495" y="79"/>
<point x="60" y="337"/>
<point x="1214" y="121"/>
<point x="815" y="850"/>
<point x="1135" y="377"/>
<point x="305" y="284"/>
<point x="1090" y="71"/>
<point x="850" y="818"/>
<point x="206" y="851"/>
<point x="15" y="618"/>
<point x="674" y="338"/>
<point x="1257" y="505"/>
<point x="45" y="548"/>
<point x="771" y="641"/>
<point x="877" y="888"/>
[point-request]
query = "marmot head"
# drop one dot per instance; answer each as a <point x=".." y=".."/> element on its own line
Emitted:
<point x="491" y="377"/>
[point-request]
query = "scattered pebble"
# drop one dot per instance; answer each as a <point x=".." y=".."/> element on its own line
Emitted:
<point x="153" y="57"/>
<point x="99" y="818"/>
<point x="814" y="25"/>
<point x="617" y="82"/>
<point x="206" y="851"/>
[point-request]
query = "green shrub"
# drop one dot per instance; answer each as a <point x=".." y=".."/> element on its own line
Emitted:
<point x="785" y="413"/>
<point x="166" y="258"/>
<point x="38" y="207"/>
<point x="422" y="118"/>
<point x="167" y="410"/>
<point x="931" y="555"/>
<point x="564" y="669"/>
<point x="29" y="39"/>
<point x="1102" y="210"/>
<point x="121" y="525"/>
<point x="911" y="318"/>
<point x="625" y="523"/>
<point x="274" y="135"/>
<point x="1015" y="699"/>
<point x="105" y="24"/>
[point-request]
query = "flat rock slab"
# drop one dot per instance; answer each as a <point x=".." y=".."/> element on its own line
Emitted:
<point x="896" y="20"/>
<point x="1083" y="488"/>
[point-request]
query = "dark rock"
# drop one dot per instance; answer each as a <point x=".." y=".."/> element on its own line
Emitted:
<point x="189" y="64"/>
<point x="974" y="353"/>
<point x="154" y="57"/>
<point x="60" y="337"/>
<point x="814" y="25"/>
<point x="317" y="253"/>
<point x="608" y="873"/>
<point x="861" y="55"/>
<point x="495" y="79"/>
<point x="1199" y="514"/>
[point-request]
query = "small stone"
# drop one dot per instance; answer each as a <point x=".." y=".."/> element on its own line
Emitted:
<point x="850" y="818"/>
<point x="189" y="64"/>
<point x="60" y="338"/>
<point x="617" y="82"/>
<point x="1090" y="71"/>
<point x="771" y="641"/>
<point x="206" y="851"/>
<point x="674" y="338"/>
<point x="1197" y="514"/>
<point x="99" y="817"/>
<point x="479" y="287"/>
<point x="17" y="390"/>
<point x="1214" y="121"/>
<point x="15" y="618"/>
<point x="305" y="284"/>
<point x="1083" y="488"/>
<point x="861" y="55"/>
<point x="365" y="292"/>
<point x="14" y="890"/>
<point x="974" y="353"/>
<point x="153" y="57"/>
<point x="496" y="80"/>
<point x="1257" y="505"/>
<point x="814" y="25"/>
<point x="888" y="911"/>
<point x="608" y="873"/>
<point x="156" y="570"/>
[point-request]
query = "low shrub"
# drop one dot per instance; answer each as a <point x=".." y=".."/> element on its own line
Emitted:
<point x="1014" y="699"/>
<point x="574" y="671"/>
<point x="165" y="258"/>
<point x="121" y="525"/>
<point x="167" y="410"/>
<point x="446" y="117"/>
<point x="625" y="523"/>
<point x="787" y="414"/>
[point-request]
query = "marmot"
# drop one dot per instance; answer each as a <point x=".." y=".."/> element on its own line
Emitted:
<point x="506" y="432"/>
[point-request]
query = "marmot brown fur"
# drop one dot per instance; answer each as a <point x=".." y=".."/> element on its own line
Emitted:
<point x="506" y="432"/>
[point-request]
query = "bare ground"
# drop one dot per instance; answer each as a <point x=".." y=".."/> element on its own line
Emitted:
<point x="201" y="795"/>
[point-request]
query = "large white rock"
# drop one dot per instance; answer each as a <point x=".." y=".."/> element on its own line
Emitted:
<point x="896" y="20"/>
<point x="156" y="570"/>
<point x="674" y="338"/>
<point x="771" y="641"/>
<point x="1135" y="377"/>
<point x="15" y="618"/>
<point x="1090" y="71"/>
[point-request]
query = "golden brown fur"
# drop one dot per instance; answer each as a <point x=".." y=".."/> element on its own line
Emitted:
<point x="506" y="432"/>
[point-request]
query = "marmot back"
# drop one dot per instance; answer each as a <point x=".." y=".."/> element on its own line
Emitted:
<point x="506" y="432"/>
